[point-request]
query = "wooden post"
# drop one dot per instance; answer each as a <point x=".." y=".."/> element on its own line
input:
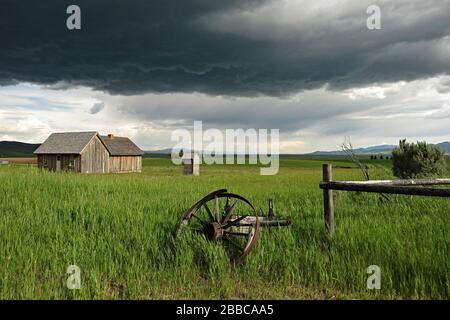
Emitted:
<point x="328" y="199"/>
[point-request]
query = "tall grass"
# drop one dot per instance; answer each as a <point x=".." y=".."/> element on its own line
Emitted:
<point x="118" y="229"/>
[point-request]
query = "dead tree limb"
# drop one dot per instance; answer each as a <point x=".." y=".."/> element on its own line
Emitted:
<point x="347" y="148"/>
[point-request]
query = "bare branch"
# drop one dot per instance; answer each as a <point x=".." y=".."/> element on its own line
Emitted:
<point x="347" y="148"/>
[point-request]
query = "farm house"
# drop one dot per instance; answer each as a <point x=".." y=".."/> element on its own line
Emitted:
<point x="89" y="152"/>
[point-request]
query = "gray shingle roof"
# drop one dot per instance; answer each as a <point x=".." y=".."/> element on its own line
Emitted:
<point x="74" y="143"/>
<point x="65" y="143"/>
<point x="121" y="146"/>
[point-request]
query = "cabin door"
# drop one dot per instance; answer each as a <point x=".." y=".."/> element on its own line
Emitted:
<point x="58" y="162"/>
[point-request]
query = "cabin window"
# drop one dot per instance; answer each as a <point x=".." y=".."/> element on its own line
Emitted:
<point x="45" y="160"/>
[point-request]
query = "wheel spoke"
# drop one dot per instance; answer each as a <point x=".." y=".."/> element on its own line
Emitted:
<point x="234" y="243"/>
<point x="209" y="212"/>
<point x="200" y="220"/>
<point x="229" y="212"/>
<point x="217" y="209"/>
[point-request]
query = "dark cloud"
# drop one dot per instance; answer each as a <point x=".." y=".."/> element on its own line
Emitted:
<point x="97" y="107"/>
<point x="231" y="47"/>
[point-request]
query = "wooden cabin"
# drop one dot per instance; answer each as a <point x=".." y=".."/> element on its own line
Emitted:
<point x="88" y="152"/>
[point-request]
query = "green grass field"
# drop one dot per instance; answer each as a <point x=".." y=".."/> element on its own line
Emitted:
<point x="118" y="229"/>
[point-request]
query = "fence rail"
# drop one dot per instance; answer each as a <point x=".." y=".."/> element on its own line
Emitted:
<point x="404" y="187"/>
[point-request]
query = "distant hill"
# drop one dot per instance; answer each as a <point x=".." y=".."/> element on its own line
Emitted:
<point x="167" y="151"/>
<point x="162" y="151"/>
<point x="381" y="149"/>
<point x="445" y="146"/>
<point x="16" y="149"/>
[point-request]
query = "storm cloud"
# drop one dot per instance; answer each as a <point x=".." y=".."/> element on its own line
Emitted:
<point x="233" y="48"/>
<point x="97" y="107"/>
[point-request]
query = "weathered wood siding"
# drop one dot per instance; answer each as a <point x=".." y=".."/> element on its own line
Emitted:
<point x="65" y="162"/>
<point x="95" y="157"/>
<point x="125" y="163"/>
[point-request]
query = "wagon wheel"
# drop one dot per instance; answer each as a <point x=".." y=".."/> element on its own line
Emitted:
<point x="216" y="217"/>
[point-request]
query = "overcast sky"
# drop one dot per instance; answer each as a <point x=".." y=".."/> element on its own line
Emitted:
<point x="309" y="68"/>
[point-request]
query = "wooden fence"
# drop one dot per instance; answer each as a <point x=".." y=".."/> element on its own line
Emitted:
<point x="416" y="187"/>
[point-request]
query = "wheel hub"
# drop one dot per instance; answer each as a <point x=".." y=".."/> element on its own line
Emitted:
<point x="213" y="231"/>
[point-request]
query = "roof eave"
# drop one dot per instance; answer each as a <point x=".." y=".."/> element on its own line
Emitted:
<point x="77" y="153"/>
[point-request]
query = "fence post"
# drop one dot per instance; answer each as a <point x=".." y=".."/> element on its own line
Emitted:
<point x="328" y="199"/>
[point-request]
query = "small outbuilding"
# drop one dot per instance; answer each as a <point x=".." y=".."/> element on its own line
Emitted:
<point x="88" y="152"/>
<point x="191" y="164"/>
